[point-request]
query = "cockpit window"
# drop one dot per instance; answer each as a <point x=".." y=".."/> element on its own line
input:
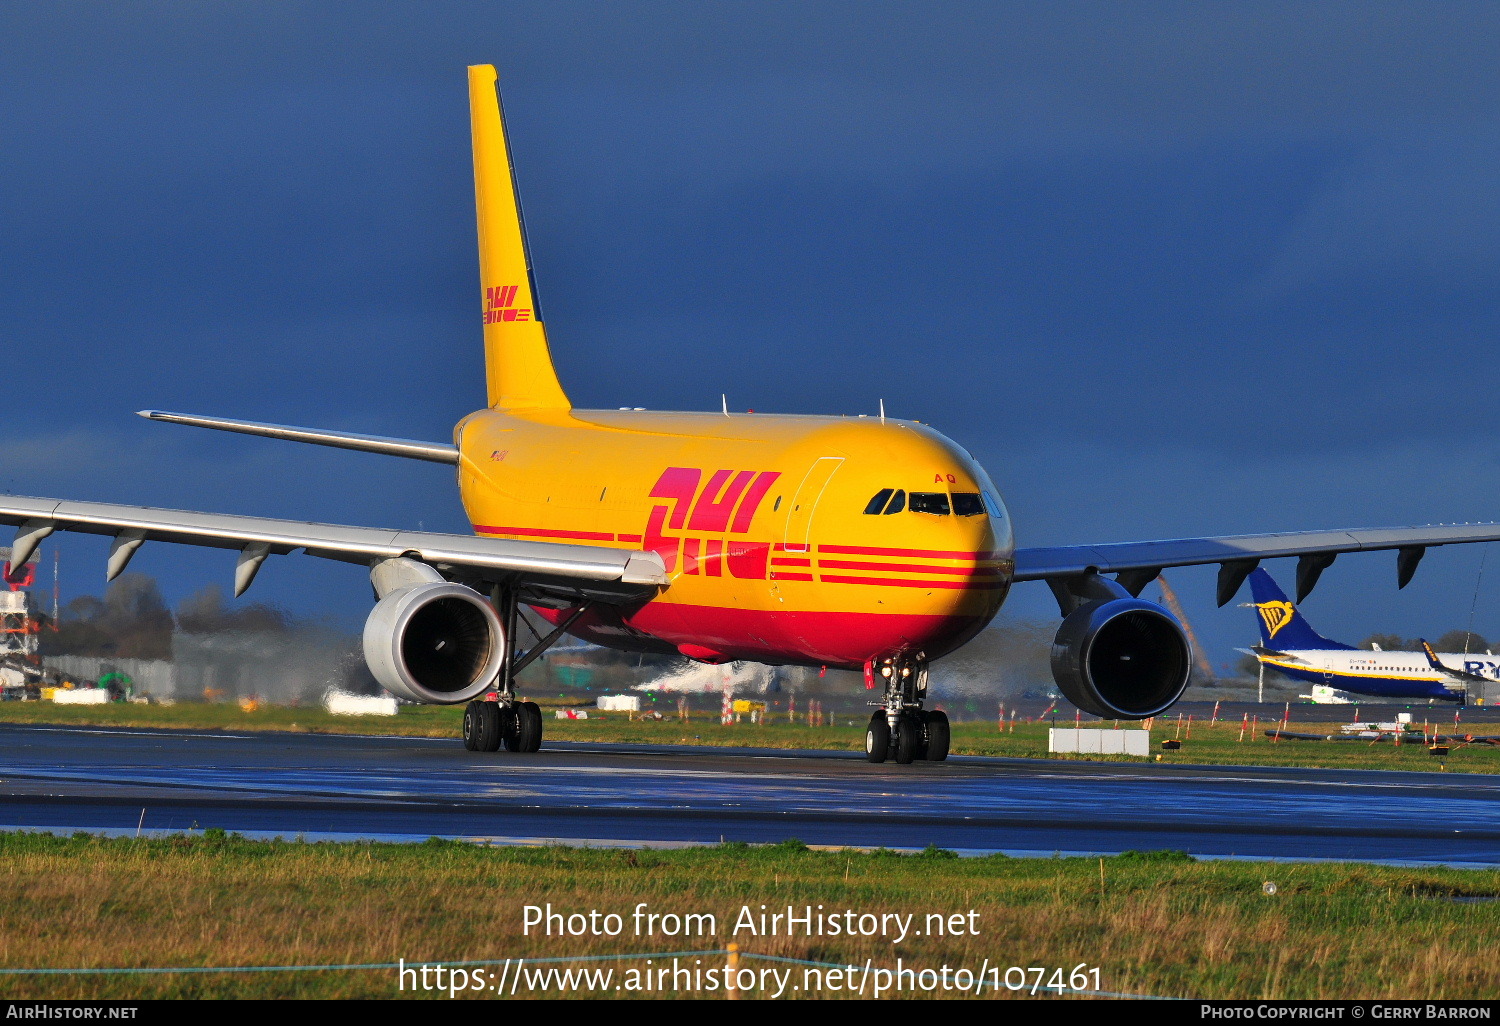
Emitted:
<point x="887" y="501"/>
<point x="930" y="502"/>
<point x="967" y="504"/>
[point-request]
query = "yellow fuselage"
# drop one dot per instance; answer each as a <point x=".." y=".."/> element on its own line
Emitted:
<point x="762" y="523"/>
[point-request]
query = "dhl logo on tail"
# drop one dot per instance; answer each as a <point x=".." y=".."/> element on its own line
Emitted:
<point x="498" y="305"/>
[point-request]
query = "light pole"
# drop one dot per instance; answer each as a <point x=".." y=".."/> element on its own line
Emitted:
<point x="1260" y="665"/>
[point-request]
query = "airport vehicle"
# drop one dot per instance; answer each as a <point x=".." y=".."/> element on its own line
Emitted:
<point x="1288" y="643"/>
<point x="865" y="543"/>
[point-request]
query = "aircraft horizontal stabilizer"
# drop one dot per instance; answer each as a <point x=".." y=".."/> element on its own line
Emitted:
<point x="435" y="452"/>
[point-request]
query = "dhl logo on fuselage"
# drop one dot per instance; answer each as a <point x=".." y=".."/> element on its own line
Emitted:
<point x="726" y="504"/>
<point x="1276" y="616"/>
<point x="498" y="306"/>
<point x="701" y="525"/>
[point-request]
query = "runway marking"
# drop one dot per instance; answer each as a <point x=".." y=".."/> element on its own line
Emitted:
<point x="1453" y="783"/>
<point x="501" y="840"/>
<point x="112" y="732"/>
<point x="1247" y="775"/>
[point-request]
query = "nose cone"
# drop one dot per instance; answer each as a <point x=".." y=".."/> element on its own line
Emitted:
<point x="962" y="612"/>
<point x="917" y="540"/>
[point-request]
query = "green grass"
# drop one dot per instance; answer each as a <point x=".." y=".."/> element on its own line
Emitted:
<point x="1162" y="925"/>
<point x="1218" y="744"/>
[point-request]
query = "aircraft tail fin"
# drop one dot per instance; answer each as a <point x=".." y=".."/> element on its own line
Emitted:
<point x="1282" y="627"/>
<point x="518" y="364"/>
<point x="1465" y="675"/>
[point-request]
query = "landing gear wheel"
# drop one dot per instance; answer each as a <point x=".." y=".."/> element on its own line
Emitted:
<point x="527" y="734"/>
<point x="482" y="727"/>
<point x="491" y="726"/>
<point x="877" y="738"/>
<point x="908" y="739"/>
<point x="533" y="715"/>
<point x="471" y="726"/>
<point x="938" y="736"/>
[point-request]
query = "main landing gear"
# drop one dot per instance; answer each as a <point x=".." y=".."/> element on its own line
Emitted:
<point x="901" y="727"/>
<point x="493" y="721"/>
<point x="497" y="718"/>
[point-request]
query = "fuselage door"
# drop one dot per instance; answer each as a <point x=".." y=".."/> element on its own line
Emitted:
<point x="799" y="517"/>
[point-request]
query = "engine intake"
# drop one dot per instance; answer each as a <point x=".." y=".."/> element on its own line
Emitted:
<point x="1121" y="658"/>
<point x="435" y="643"/>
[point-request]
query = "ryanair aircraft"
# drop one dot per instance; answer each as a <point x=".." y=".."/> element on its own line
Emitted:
<point x="870" y="544"/>
<point x="1288" y="643"/>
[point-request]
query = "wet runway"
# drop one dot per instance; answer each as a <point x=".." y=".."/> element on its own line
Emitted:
<point x="325" y="786"/>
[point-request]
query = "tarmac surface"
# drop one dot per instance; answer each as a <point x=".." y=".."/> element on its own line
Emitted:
<point x="319" y="786"/>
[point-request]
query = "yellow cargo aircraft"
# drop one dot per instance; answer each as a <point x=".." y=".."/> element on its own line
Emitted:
<point x="862" y="543"/>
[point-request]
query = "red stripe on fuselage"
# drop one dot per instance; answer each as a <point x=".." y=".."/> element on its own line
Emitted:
<point x="545" y="532"/>
<point x="893" y="582"/>
<point x="910" y="568"/>
<point x="861" y="550"/>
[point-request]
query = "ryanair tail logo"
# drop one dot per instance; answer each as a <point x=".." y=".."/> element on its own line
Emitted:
<point x="1276" y="615"/>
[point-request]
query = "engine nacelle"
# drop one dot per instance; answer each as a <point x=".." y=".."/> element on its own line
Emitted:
<point x="436" y="643"/>
<point x="1121" y="658"/>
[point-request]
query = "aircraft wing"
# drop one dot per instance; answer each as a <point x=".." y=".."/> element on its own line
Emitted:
<point x="547" y="573"/>
<point x="1138" y="563"/>
<point x="1458" y="675"/>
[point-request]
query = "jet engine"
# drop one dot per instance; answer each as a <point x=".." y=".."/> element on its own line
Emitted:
<point x="1121" y="658"/>
<point x="436" y="643"/>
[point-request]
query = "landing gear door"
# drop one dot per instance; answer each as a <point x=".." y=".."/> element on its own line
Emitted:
<point x="805" y="502"/>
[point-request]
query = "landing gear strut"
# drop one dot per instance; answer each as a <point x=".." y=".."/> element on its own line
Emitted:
<point x="498" y="719"/>
<point x="901" y="726"/>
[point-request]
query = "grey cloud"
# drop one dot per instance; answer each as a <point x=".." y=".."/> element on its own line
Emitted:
<point x="1427" y="207"/>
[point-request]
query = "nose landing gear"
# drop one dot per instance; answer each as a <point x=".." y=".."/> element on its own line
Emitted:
<point x="901" y="726"/>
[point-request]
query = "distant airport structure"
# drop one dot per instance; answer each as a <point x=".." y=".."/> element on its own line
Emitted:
<point x="1290" y="645"/>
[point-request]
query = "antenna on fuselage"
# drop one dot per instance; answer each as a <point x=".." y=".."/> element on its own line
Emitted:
<point x="724" y="399"/>
<point x="882" y="411"/>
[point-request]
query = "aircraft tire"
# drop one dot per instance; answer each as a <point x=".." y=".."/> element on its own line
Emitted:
<point x="939" y="736"/>
<point x="908" y="740"/>
<point x="488" y="726"/>
<point x="472" y="726"/>
<point x="492" y="722"/>
<point x="528" y="727"/>
<point x="877" y="738"/>
<point x="511" y="729"/>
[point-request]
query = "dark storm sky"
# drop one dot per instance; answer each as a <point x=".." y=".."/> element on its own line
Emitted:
<point x="1165" y="269"/>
